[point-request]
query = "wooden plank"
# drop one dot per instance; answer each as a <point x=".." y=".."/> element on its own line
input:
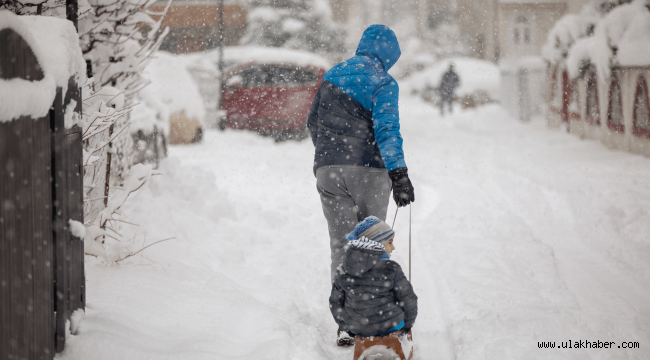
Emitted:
<point x="75" y="199"/>
<point x="75" y="212"/>
<point x="17" y="224"/>
<point x="7" y="229"/>
<point x="24" y="201"/>
<point x="25" y="301"/>
<point x="4" y="243"/>
<point x="43" y="250"/>
<point x="59" y="219"/>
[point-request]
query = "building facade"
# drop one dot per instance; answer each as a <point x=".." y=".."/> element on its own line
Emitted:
<point x="491" y="30"/>
<point x="194" y="26"/>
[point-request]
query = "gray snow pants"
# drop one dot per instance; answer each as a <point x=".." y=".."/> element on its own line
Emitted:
<point x="348" y="195"/>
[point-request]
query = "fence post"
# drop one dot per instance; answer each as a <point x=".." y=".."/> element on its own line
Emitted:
<point x="26" y="253"/>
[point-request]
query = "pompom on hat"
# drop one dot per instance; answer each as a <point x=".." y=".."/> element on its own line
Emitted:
<point x="373" y="229"/>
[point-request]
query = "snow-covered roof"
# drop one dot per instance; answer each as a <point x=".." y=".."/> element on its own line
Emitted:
<point x="267" y="55"/>
<point x="619" y="38"/>
<point x="56" y="46"/>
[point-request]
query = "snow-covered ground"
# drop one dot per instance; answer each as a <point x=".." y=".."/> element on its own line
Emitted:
<point x="520" y="235"/>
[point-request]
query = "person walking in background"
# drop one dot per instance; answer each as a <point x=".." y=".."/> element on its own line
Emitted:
<point x="354" y="125"/>
<point x="447" y="88"/>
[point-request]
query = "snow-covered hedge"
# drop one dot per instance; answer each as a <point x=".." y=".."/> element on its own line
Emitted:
<point x="604" y="34"/>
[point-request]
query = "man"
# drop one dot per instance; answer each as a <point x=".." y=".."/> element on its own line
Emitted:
<point x="448" y="86"/>
<point x="354" y="124"/>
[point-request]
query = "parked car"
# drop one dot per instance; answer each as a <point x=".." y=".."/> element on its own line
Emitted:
<point x="273" y="99"/>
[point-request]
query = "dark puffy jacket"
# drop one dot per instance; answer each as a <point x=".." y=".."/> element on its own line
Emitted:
<point x="449" y="83"/>
<point x="354" y="118"/>
<point x="371" y="295"/>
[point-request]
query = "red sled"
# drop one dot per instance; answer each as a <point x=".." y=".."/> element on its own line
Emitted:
<point x="366" y="348"/>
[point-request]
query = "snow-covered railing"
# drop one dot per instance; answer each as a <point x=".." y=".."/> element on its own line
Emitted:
<point x="41" y="185"/>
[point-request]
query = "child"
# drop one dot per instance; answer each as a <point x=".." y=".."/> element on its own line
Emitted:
<point x="370" y="295"/>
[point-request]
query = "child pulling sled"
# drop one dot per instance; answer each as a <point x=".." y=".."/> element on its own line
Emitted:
<point x="371" y="296"/>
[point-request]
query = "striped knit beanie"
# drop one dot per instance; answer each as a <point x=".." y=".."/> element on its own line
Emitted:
<point x="373" y="229"/>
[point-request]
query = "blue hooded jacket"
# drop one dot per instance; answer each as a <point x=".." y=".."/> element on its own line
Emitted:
<point x="354" y="119"/>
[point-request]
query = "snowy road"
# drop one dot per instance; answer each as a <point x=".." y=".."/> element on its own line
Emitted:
<point x="520" y="235"/>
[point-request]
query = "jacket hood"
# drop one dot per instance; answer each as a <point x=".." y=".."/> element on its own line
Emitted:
<point x="359" y="259"/>
<point x="379" y="42"/>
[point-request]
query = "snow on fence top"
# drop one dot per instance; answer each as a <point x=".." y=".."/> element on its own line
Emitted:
<point x="268" y="55"/>
<point x="55" y="45"/>
<point x="620" y="37"/>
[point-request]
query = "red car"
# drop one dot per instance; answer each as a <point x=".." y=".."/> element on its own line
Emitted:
<point x="273" y="99"/>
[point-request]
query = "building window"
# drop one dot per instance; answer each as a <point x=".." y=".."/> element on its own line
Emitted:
<point x="521" y="31"/>
<point x="641" y="115"/>
<point x="516" y="36"/>
<point x="591" y="105"/>
<point x="526" y="35"/>
<point x="615" y="109"/>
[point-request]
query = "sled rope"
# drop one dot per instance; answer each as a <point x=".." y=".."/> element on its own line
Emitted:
<point x="410" y="221"/>
<point x="410" y="216"/>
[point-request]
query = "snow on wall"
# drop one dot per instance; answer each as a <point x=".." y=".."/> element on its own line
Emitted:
<point x="55" y="45"/>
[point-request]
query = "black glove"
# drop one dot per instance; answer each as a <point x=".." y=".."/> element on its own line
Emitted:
<point x="402" y="187"/>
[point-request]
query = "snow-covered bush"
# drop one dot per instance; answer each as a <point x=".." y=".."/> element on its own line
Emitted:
<point x="605" y="34"/>
<point x="294" y="24"/>
<point x="206" y="76"/>
<point x="622" y="37"/>
<point x="173" y="86"/>
<point x="118" y="36"/>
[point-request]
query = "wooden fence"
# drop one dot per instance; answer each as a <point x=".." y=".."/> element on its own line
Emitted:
<point x="41" y="190"/>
